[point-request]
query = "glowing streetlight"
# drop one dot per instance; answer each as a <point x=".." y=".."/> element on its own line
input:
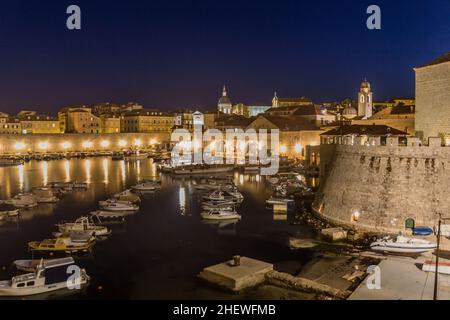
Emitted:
<point x="153" y="141"/>
<point x="298" y="148"/>
<point x="87" y="144"/>
<point x="283" y="148"/>
<point x="66" y="145"/>
<point x="137" y="142"/>
<point x="122" y="143"/>
<point x="19" y="146"/>
<point x="43" y="145"/>
<point x="105" y="143"/>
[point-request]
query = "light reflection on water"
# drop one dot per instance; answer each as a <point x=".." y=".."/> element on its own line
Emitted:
<point x="168" y="225"/>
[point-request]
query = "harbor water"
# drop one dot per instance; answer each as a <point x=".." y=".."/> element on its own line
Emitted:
<point x="157" y="252"/>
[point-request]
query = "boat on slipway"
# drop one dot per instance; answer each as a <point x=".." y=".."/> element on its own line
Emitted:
<point x="47" y="276"/>
<point x="403" y="244"/>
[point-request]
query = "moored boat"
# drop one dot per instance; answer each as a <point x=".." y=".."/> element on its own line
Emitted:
<point x="22" y="200"/>
<point x="48" y="276"/>
<point x="146" y="186"/>
<point x="110" y="214"/>
<point x="403" y="245"/>
<point x="62" y="244"/>
<point x="84" y="224"/>
<point x="117" y="206"/>
<point x="220" y="215"/>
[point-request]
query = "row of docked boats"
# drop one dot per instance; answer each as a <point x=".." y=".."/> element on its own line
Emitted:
<point x="219" y="199"/>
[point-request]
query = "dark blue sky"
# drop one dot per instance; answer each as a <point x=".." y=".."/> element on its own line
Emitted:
<point x="171" y="54"/>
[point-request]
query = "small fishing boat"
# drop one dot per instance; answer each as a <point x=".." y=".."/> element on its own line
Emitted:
<point x="273" y="200"/>
<point x="136" y="155"/>
<point x="403" y="245"/>
<point x="430" y="266"/>
<point x="127" y="195"/>
<point x="220" y="215"/>
<point x="223" y="206"/>
<point x="48" y="276"/>
<point x="105" y="203"/>
<point x="146" y="186"/>
<point x="44" y="195"/>
<point x="117" y="206"/>
<point x="62" y="244"/>
<point x="22" y="200"/>
<point x="422" y="231"/>
<point x="84" y="224"/>
<point x="223" y="196"/>
<point x="110" y="214"/>
<point x="8" y="211"/>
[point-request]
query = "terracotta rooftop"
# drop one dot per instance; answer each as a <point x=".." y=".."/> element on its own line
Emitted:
<point x="371" y="130"/>
<point x="291" y="123"/>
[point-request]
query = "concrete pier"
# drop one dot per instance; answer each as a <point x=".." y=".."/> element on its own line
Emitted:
<point x="248" y="274"/>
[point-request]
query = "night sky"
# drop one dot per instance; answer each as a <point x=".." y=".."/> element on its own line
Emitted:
<point x="171" y="54"/>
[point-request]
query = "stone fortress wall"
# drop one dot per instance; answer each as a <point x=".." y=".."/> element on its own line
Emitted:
<point x="375" y="188"/>
<point x="12" y="144"/>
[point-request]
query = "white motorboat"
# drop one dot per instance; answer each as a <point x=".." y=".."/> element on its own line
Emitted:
<point x="105" y="203"/>
<point x="127" y="195"/>
<point x="48" y="276"/>
<point x="273" y="200"/>
<point x="9" y="214"/>
<point x="22" y="200"/>
<point x="227" y="205"/>
<point x="146" y="186"/>
<point x="45" y="195"/>
<point x="222" y="196"/>
<point x="220" y="215"/>
<point x="117" y="206"/>
<point x="403" y="245"/>
<point x="110" y="214"/>
<point x="84" y="224"/>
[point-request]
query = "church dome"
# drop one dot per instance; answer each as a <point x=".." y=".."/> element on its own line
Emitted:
<point x="224" y="100"/>
<point x="349" y="112"/>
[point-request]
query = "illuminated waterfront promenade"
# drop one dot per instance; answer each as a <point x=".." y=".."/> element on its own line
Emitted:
<point x="21" y="144"/>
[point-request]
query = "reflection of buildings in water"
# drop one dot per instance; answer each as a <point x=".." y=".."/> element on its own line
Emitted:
<point x="67" y="170"/>
<point x="43" y="209"/>
<point x="182" y="200"/>
<point x="87" y="167"/>
<point x="105" y="171"/>
<point x="280" y="216"/>
<point x="138" y="169"/>
<point x="223" y="227"/>
<point x="122" y="171"/>
<point x="21" y="177"/>
<point x="10" y="224"/>
<point x="44" y="173"/>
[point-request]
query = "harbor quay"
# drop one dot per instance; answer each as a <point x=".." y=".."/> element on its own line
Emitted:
<point x="12" y="144"/>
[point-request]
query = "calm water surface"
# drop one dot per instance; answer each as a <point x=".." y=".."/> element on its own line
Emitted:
<point x="158" y="252"/>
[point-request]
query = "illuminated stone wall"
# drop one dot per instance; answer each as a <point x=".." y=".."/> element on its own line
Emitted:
<point x="14" y="144"/>
<point x="384" y="184"/>
<point x="433" y="101"/>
